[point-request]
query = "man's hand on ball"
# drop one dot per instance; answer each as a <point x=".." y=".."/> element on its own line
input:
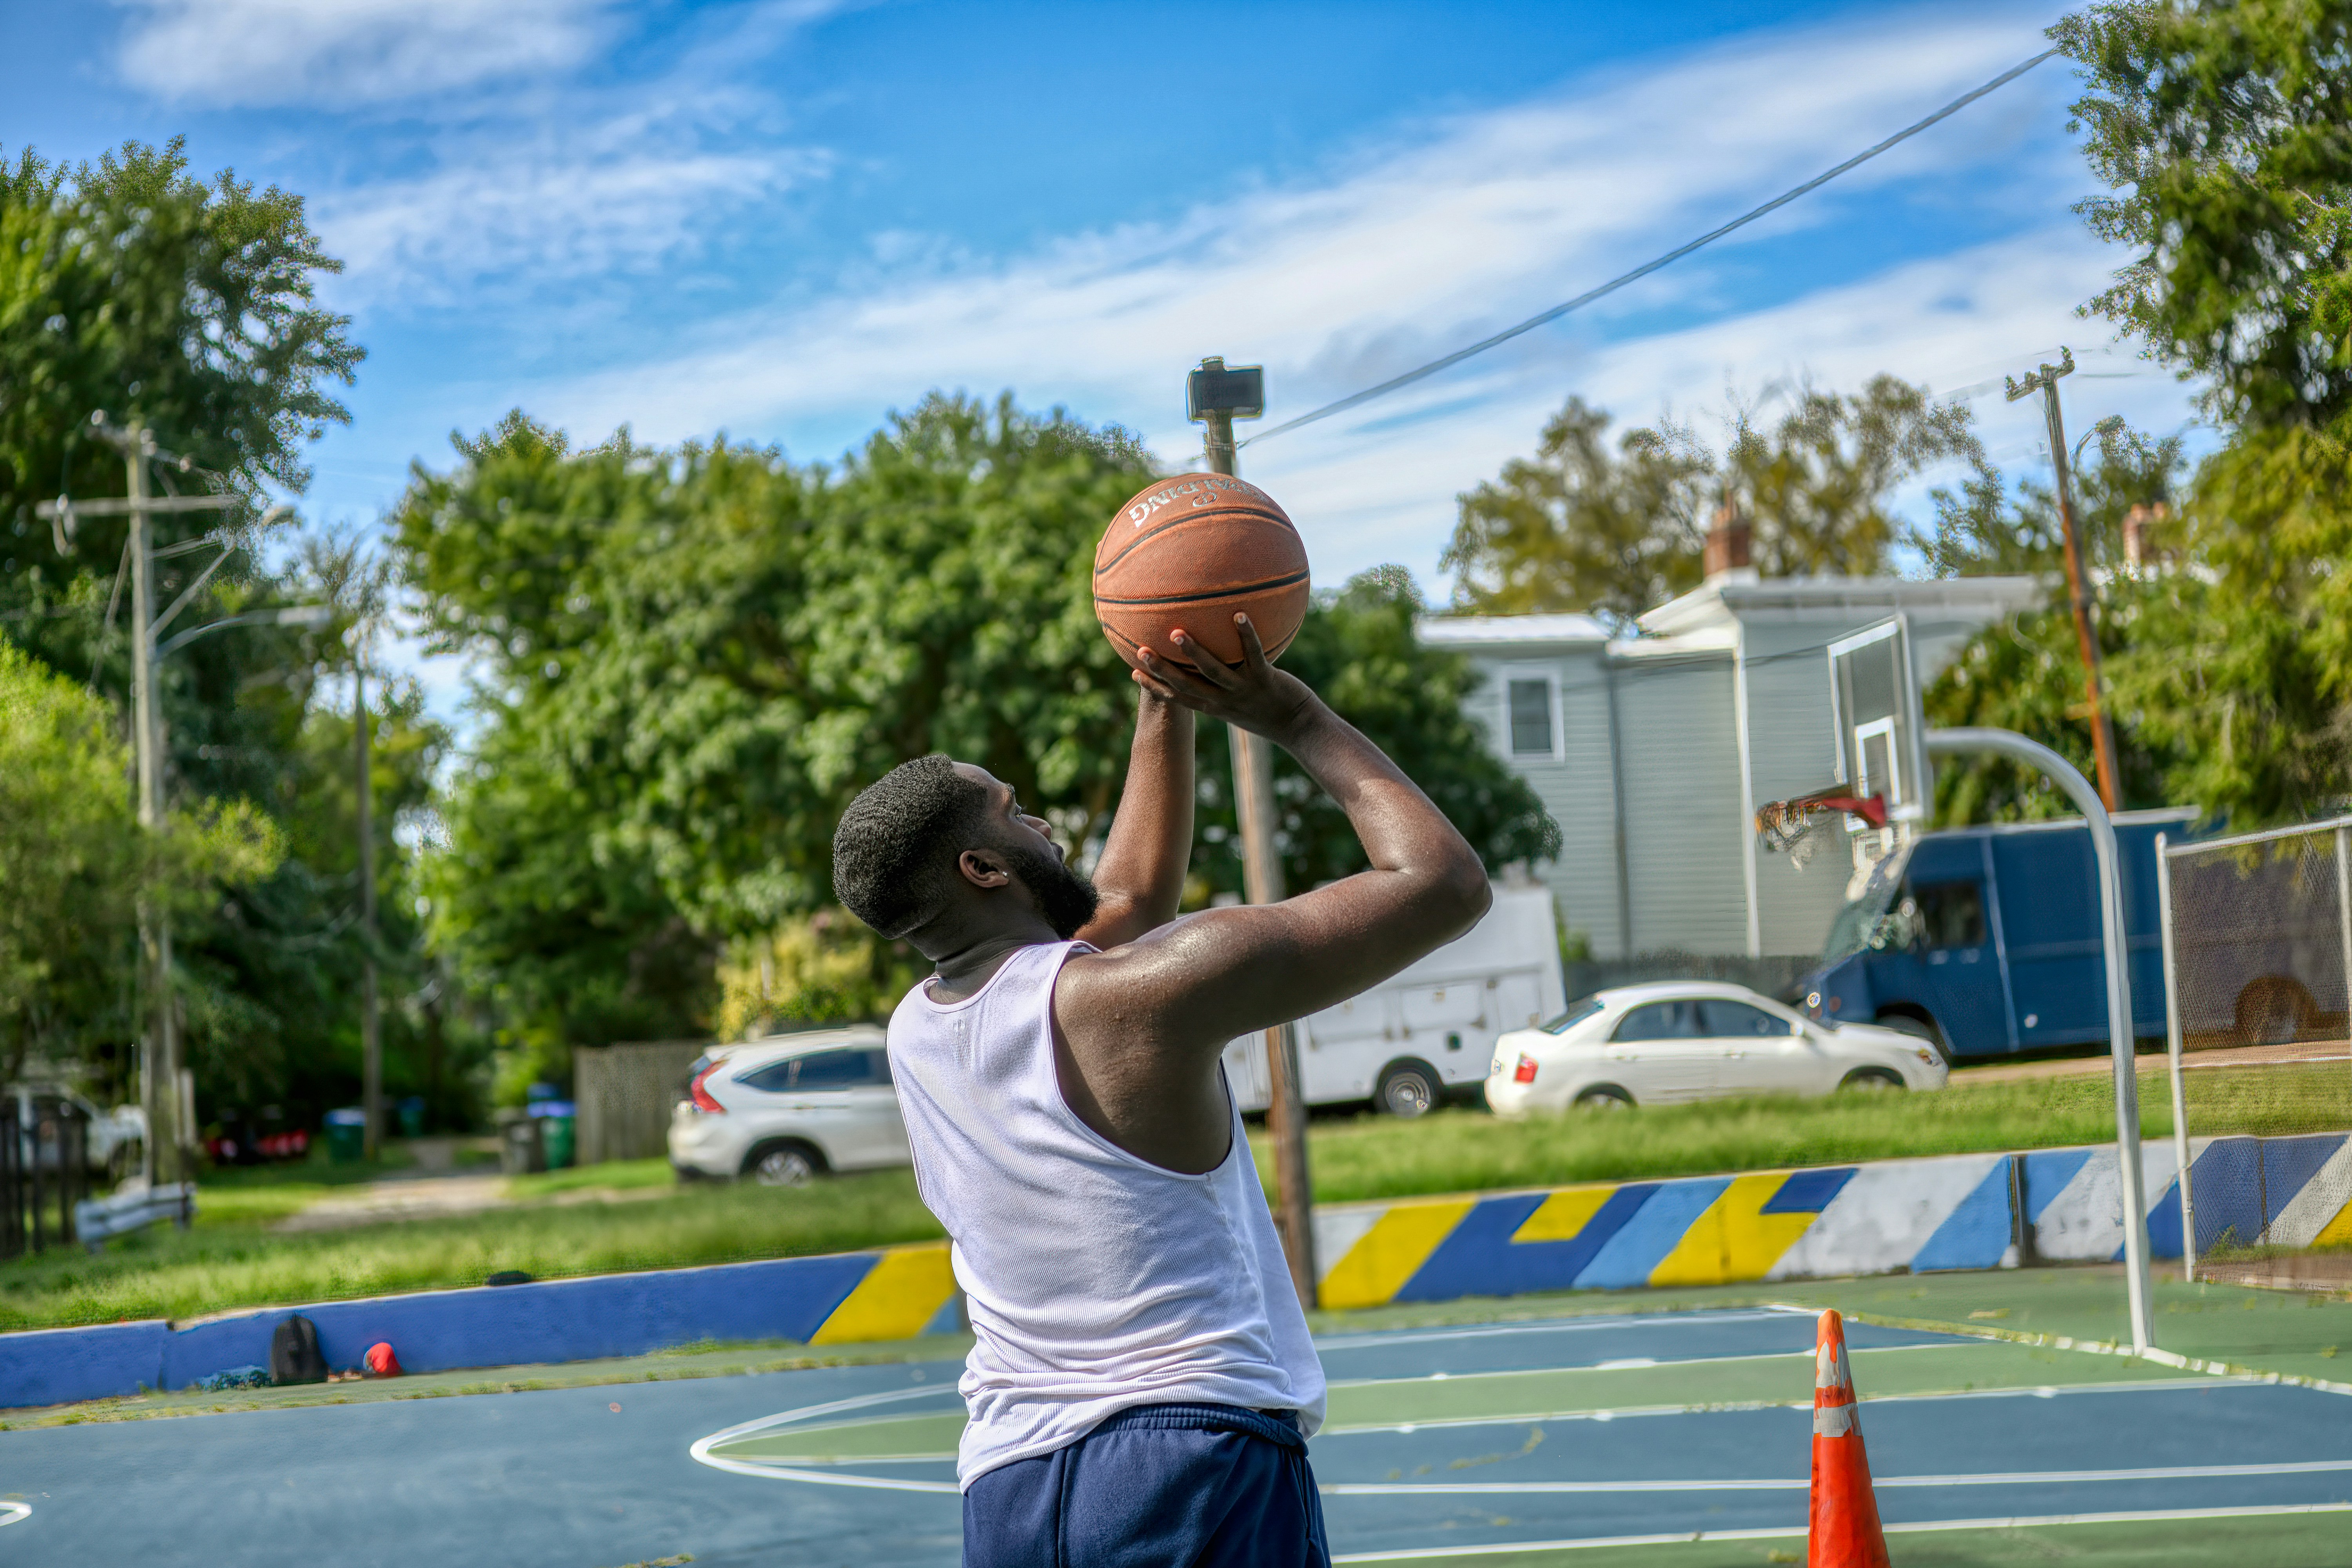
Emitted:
<point x="1257" y="697"/>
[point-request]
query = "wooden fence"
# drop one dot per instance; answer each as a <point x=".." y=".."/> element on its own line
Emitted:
<point x="625" y="1095"/>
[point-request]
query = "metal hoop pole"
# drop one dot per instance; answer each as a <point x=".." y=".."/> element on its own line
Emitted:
<point x="2172" y="1047"/>
<point x="2017" y="747"/>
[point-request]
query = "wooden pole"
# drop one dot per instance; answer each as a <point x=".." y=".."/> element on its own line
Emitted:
<point x="1285" y="1114"/>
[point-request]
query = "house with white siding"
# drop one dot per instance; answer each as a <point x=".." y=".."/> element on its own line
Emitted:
<point x="1652" y="750"/>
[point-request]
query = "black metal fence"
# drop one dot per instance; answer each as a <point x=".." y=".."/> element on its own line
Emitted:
<point x="44" y="1172"/>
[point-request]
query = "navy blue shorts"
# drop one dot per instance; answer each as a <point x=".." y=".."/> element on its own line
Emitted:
<point x="1160" y="1486"/>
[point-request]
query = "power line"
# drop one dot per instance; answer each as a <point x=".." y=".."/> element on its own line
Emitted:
<point x="1557" y="312"/>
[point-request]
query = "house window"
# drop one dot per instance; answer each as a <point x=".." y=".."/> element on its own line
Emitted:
<point x="1531" y="718"/>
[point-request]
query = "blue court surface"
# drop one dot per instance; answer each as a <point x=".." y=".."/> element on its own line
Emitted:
<point x="1450" y="1443"/>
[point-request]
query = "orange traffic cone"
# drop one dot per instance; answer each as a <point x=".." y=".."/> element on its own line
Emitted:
<point x="1845" y="1532"/>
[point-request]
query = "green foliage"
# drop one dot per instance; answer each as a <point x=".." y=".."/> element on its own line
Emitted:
<point x="2223" y="130"/>
<point x="1357" y="648"/>
<point x="1583" y="527"/>
<point x="2026" y="674"/>
<point x="74" y="864"/>
<point x="693" y="660"/>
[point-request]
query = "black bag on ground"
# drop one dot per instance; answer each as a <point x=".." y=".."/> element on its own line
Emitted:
<point x="294" y="1352"/>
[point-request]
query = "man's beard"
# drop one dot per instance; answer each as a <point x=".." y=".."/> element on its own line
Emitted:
<point x="1065" y="898"/>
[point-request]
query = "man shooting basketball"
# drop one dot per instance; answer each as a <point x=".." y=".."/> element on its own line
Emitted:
<point x="1142" y="1386"/>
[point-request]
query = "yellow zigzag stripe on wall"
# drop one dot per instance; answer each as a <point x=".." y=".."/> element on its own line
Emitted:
<point x="2336" y="1232"/>
<point x="903" y="1291"/>
<point x="1385" y="1257"/>
<point x="1563" y="1215"/>
<point x="1732" y="1240"/>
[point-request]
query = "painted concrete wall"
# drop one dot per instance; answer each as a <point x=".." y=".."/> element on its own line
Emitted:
<point x="1961" y="1211"/>
<point x="1955" y="1212"/>
<point x="842" y="1298"/>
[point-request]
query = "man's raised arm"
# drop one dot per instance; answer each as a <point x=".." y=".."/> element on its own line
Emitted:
<point x="1224" y="973"/>
<point x="1140" y="876"/>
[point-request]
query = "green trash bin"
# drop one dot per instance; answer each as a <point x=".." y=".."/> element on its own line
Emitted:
<point x="557" y="1130"/>
<point x="347" y="1135"/>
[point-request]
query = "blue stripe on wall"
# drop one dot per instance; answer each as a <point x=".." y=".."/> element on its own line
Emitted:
<point x="2288" y="1165"/>
<point x="2047" y="1172"/>
<point x="1477" y="1257"/>
<point x="1975" y="1234"/>
<point x="1808" y="1192"/>
<point x="1650" y="1232"/>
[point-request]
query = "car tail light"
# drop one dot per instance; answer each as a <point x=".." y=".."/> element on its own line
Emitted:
<point x="1526" y="1071"/>
<point x="702" y="1100"/>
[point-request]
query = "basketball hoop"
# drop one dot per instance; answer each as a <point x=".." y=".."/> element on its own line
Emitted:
<point x="1792" y="825"/>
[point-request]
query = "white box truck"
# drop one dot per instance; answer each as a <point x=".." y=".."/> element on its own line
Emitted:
<point x="1406" y="1044"/>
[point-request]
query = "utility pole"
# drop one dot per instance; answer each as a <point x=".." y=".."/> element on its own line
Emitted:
<point x="167" y="1153"/>
<point x="1216" y="397"/>
<point x="2045" y="380"/>
<point x="371" y="1035"/>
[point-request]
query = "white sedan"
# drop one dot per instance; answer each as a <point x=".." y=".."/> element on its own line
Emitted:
<point x="788" y="1108"/>
<point x="1682" y="1040"/>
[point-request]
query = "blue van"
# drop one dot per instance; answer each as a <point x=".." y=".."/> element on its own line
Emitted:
<point x="1987" y="940"/>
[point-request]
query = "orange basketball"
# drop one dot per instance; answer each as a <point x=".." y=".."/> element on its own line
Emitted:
<point x="1190" y="551"/>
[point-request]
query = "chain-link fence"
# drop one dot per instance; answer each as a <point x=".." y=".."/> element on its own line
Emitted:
<point x="2258" y="958"/>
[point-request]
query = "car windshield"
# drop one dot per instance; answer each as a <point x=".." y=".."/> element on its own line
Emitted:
<point x="1864" y="920"/>
<point x="1577" y="1012"/>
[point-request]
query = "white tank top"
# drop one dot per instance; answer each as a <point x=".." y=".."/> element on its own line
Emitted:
<point x="1094" y="1280"/>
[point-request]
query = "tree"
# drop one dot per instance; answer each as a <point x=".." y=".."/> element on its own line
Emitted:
<point x="2027" y="674"/>
<point x="693" y="660"/>
<point x="188" y="305"/>
<point x="1615" y="533"/>
<point x="74" y="863"/>
<point x="2222" y="130"/>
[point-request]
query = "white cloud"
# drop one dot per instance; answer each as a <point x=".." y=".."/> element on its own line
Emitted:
<point x="1405" y="253"/>
<point x="565" y="202"/>
<point x="341" y="52"/>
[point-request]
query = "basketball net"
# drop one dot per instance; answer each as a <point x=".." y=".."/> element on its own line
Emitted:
<point x="1795" y="826"/>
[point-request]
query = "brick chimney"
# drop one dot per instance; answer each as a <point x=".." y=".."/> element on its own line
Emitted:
<point x="1728" y="541"/>
<point x="2140" y="524"/>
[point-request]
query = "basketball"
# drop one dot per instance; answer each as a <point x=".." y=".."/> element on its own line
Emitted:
<point x="1192" y="552"/>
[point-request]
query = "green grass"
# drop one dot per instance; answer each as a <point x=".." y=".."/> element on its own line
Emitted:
<point x="230" y="1260"/>
<point x="614" y="1175"/>
<point x="1468" y="1150"/>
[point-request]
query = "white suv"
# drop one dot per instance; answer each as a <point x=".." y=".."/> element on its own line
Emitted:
<point x="788" y="1108"/>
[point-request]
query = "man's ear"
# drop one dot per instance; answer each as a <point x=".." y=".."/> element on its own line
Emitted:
<point x="983" y="868"/>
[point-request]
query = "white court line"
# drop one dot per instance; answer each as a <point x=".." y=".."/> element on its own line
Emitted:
<point x="2170" y="1384"/>
<point x="13" y="1513"/>
<point x="1800" y="1483"/>
<point x="807" y="1412"/>
<point x="1645" y="1364"/>
<point x="1575" y="1326"/>
<point x="2157" y="1516"/>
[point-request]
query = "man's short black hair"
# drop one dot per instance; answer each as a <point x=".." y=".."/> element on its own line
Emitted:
<point x="895" y="851"/>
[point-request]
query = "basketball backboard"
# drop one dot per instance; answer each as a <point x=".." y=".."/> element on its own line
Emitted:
<point x="1876" y="718"/>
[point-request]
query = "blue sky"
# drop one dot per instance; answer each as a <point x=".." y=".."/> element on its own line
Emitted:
<point x="783" y="218"/>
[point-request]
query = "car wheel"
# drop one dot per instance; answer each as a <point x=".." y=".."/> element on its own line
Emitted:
<point x="783" y="1165"/>
<point x="1408" y="1090"/>
<point x="1904" y="1024"/>
<point x="1874" y="1081"/>
<point x="1604" y="1096"/>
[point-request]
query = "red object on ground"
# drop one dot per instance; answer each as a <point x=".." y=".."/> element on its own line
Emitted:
<point x="1845" y="1532"/>
<point x="382" y="1363"/>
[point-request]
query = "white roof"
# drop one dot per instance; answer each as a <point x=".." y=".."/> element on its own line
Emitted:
<point x="1670" y="989"/>
<point x="1735" y="596"/>
<point x="1478" y="631"/>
